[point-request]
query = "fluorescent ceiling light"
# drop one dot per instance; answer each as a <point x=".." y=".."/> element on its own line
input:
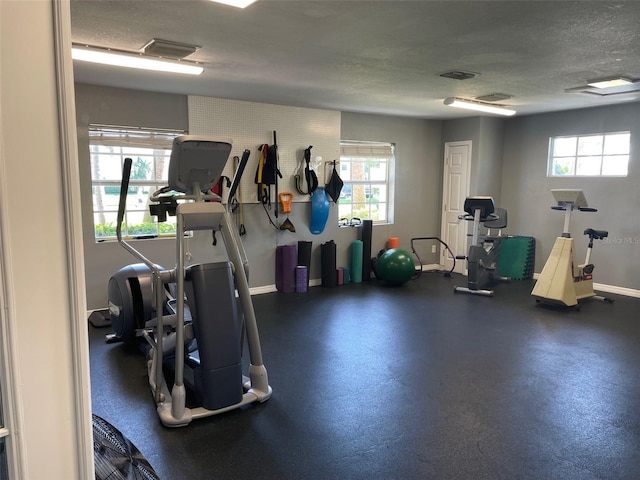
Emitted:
<point x="478" y="106"/>
<point x="609" y="82"/>
<point x="133" y="60"/>
<point x="236" y="3"/>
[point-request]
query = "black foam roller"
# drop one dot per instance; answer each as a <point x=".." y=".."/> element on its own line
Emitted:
<point x="328" y="264"/>
<point x="367" y="231"/>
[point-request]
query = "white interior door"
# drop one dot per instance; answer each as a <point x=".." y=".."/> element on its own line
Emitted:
<point x="457" y="167"/>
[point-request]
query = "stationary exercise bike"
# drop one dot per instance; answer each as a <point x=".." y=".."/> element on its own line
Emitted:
<point x="482" y="257"/>
<point x="563" y="281"/>
<point x="196" y="326"/>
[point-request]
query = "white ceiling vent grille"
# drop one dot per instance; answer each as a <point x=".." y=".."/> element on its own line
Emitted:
<point x="168" y="49"/>
<point x="458" y="75"/>
<point x="494" y="97"/>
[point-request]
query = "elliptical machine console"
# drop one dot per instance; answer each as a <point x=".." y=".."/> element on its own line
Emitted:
<point x="204" y="311"/>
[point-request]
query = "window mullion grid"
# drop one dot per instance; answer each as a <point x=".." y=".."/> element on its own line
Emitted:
<point x="155" y="184"/>
<point x="601" y="154"/>
<point x="351" y="154"/>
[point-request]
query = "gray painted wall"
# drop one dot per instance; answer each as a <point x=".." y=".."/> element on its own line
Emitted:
<point x="114" y="106"/>
<point x="486" y="135"/>
<point x="509" y="159"/>
<point x="488" y="171"/>
<point x="525" y="190"/>
<point x="418" y="177"/>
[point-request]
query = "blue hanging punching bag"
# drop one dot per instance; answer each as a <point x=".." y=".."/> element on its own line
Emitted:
<point x="319" y="210"/>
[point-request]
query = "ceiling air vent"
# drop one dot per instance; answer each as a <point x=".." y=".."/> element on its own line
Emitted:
<point x="168" y="49"/>
<point x="494" y="97"/>
<point x="458" y="75"/>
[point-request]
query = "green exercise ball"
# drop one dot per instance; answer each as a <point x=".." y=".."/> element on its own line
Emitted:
<point x="396" y="266"/>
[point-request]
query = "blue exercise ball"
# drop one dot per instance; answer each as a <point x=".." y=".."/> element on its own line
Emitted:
<point x="396" y="266"/>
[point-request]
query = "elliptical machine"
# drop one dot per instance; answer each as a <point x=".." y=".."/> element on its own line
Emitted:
<point x="203" y="337"/>
<point x="562" y="280"/>
<point x="482" y="257"/>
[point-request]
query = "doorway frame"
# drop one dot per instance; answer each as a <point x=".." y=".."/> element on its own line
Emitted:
<point x="445" y="189"/>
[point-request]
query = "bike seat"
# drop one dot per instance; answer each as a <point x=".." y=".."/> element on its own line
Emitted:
<point x="500" y="220"/>
<point x="596" y="234"/>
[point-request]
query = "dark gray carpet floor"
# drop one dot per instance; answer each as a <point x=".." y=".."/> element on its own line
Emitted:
<point x="411" y="382"/>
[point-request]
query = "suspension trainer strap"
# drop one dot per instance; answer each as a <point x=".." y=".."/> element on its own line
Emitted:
<point x="263" y="189"/>
<point x="309" y="175"/>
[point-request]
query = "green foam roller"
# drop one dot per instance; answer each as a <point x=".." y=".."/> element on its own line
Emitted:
<point x="356" y="261"/>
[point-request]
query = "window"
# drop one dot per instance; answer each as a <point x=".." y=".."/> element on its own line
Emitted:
<point x="589" y="155"/>
<point x="150" y="151"/>
<point x="366" y="168"/>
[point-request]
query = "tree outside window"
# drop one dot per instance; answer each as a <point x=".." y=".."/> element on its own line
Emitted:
<point x="594" y="155"/>
<point x="150" y="151"/>
<point x="365" y="168"/>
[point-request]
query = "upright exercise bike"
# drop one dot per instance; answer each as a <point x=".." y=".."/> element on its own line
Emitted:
<point x="563" y="281"/>
<point x="482" y="258"/>
<point x="200" y="335"/>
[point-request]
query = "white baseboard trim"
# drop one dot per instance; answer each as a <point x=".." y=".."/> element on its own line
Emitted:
<point x="253" y="291"/>
<point x="627" y="292"/>
<point x="316" y="282"/>
<point x="431" y="266"/>
<point x="89" y="312"/>
<point x="272" y="288"/>
<point x="262" y="289"/>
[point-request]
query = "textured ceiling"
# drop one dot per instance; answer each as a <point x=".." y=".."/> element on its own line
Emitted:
<point x="374" y="56"/>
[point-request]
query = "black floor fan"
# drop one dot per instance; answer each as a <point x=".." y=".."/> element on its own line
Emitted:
<point x="115" y="457"/>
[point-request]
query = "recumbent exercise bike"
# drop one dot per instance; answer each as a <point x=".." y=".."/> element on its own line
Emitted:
<point x="482" y="257"/>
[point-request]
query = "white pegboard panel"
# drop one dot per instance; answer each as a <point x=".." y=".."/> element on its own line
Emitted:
<point x="250" y="125"/>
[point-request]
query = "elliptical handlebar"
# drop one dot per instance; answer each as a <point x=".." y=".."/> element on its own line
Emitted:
<point x="238" y="175"/>
<point x="124" y="187"/>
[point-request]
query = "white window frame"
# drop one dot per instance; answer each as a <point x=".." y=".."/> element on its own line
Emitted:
<point x="357" y="151"/>
<point x="575" y="156"/>
<point x="121" y="140"/>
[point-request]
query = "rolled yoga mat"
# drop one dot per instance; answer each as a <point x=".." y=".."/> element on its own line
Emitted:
<point x="304" y="257"/>
<point x="328" y="264"/>
<point x="356" y="261"/>
<point x="367" y="231"/>
<point x="286" y="257"/>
